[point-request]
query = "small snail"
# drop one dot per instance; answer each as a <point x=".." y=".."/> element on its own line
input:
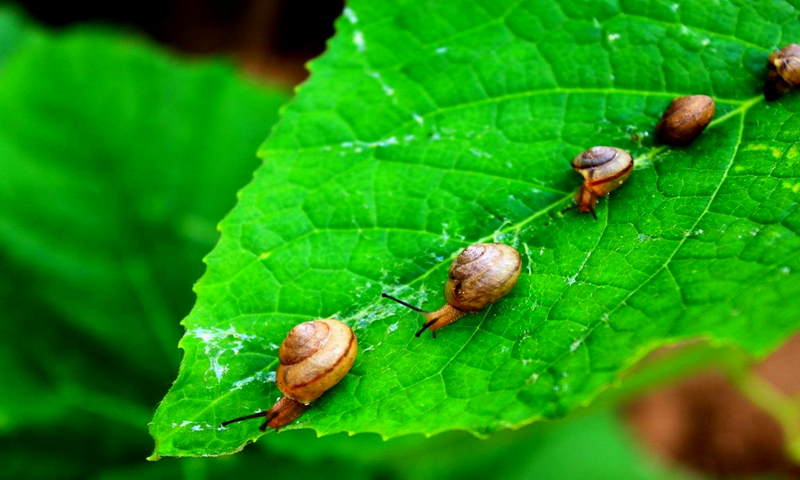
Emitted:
<point x="481" y="274"/>
<point x="685" y="119"/>
<point x="784" y="71"/>
<point x="603" y="169"/>
<point x="313" y="358"/>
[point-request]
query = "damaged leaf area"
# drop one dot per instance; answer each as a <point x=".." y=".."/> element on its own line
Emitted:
<point x="429" y="126"/>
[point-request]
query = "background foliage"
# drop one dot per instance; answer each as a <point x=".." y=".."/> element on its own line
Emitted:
<point x="117" y="161"/>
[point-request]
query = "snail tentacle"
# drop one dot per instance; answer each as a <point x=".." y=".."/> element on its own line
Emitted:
<point x="314" y="357"/>
<point x="480" y="275"/>
<point x="603" y="169"/>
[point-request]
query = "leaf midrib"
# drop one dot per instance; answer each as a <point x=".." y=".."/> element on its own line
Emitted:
<point x="742" y="110"/>
<point x="375" y="144"/>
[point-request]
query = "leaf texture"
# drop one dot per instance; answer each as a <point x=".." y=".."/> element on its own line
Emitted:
<point x="429" y="126"/>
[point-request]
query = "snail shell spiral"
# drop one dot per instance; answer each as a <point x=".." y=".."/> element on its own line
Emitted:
<point x="482" y="274"/>
<point x="314" y="357"/>
<point x="603" y="168"/>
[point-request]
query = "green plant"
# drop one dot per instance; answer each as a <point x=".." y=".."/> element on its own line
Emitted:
<point x="428" y="126"/>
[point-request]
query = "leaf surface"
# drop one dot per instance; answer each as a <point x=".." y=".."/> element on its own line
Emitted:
<point x="429" y="126"/>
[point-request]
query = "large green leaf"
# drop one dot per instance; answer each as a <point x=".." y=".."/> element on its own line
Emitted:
<point x="429" y="126"/>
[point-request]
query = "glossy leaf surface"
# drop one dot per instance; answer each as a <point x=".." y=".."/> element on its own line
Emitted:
<point x="429" y="126"/>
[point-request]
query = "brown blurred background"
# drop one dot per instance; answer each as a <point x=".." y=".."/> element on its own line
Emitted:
<point x="271" y="39"/>
<point x="705" y="424"/>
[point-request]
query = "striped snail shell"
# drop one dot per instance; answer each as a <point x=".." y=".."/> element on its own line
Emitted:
<point x="313" y="357"/>
<point x="481" y="275"/>
<point x="603" y="169"/>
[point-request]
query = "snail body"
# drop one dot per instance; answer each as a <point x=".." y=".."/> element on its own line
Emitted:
<point x="784" y="71"/>
<point x="481" y="275"/>
<point x="685" y="119"/>
<point x="313" y="357"/>
<point x="603" y="169"/>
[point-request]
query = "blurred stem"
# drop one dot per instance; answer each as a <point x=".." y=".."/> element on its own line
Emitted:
<point x="784" y="409"/>
<point x="736" y="364"/>
<point x="668" y="368"/>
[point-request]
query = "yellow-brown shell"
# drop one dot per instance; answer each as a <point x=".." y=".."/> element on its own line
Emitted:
<point x="603" y="169"/>
<point x="784" y="71"/>
<point x="786" y="62"/>
<point x="482" y="274"/>
<point x="314" y="357"/>
<point x="685" y="119"/>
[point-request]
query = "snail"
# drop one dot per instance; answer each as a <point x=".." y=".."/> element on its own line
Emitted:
<point x="313" y="358"/>
<point x="784" y="71"/>
<point x="481" y="274"/>
<point x="685" y="119"/>
<point x="603" y="169"/>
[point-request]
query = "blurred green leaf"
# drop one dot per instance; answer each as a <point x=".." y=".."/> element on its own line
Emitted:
<point x="428" y="126"/>
<point x="116" y="162"/>
<point x="13" y="31"/>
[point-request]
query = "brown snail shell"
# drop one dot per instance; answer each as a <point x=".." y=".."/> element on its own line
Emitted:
<point x="481" y="275"/>
<point x="603" y="169"/>
<point x="784" y="74"/>
<point x="685" y="119"/>
<point x="313" y="357"/>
